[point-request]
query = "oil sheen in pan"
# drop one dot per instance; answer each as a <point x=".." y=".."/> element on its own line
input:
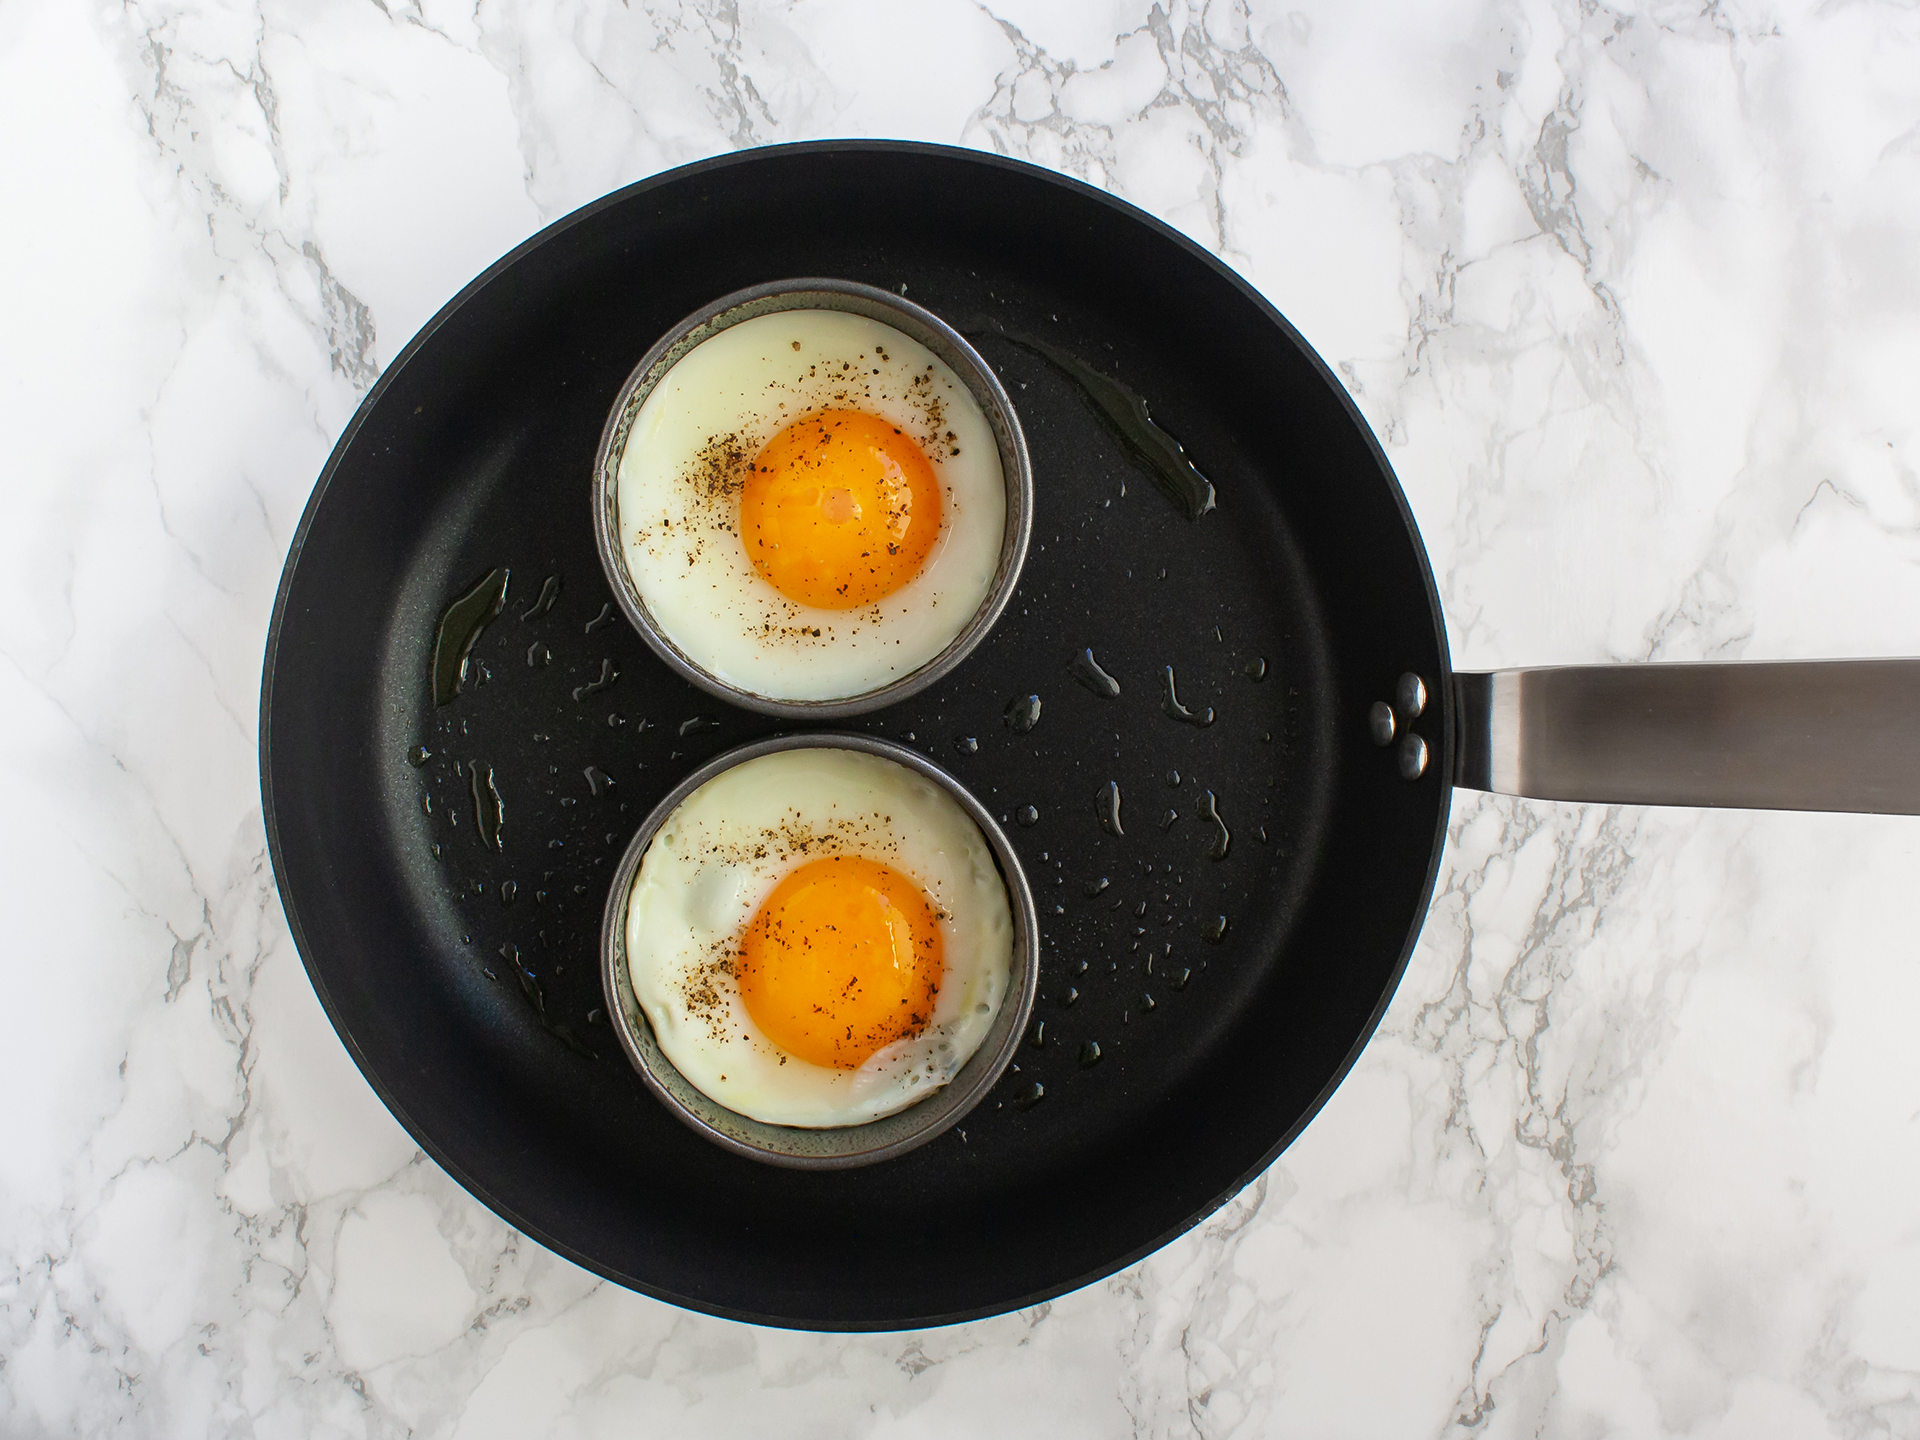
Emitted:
<point x="1124" y="414"/>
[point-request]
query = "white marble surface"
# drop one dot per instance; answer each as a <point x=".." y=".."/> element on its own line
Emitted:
<point x="1632" y="295"/>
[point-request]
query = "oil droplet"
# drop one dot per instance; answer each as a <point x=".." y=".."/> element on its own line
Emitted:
<point x="489" y="813"/>
<point x="538" y="654"/>
<point x="1109" y="807"/>
<point x="1089" y="1054"/>
<point x="426" y="804"/>
<point x="615" y="720"/>
<point x="549" y="592"/>
<point x="1256" y="669"/>
<point x="694" y="724"/>
<point x="1173" y="779"/>
<point x="1028" y="816"/>
<point x="1096" y="886"/>
<point x="1146" y="1004"/>
<point x="608" y="675"/>
<point x="418" y="756"/>
<point x="1166" y="821"/>
<point x="1222" y="837"/>
<point x="1180" y="977"/>
<point x="1170" y="702"/>
<point x="1031" y="1096"/>
<point x="966" y="744"/>
<point x="1084" y="668"/>
<point x="598" y="781"/>
<point x="605" y="617"/>
<point x="1215" y="930"/>
<point x="1023" y="714"/>
<point x="507" y="891"/>
<point x="1067" y="999"/>
<point x="435" y="847"/>
<point x="460" y="625"/>
<point x="1039" y="1038"/>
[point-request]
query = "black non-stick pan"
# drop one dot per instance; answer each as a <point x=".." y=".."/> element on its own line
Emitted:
<point x="1210" y="967"/>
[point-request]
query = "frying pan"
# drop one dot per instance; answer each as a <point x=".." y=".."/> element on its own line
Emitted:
<point x="1204" y="982"/>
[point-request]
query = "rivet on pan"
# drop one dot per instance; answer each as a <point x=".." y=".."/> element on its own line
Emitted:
<point x="1380" y="723"/>
<point x="1410" y="695"/>
<point x="1413" y="758"/>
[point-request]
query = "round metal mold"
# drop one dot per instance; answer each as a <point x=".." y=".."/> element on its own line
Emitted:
<point x="848" y="1146"/>
<point x="889" y="309"/>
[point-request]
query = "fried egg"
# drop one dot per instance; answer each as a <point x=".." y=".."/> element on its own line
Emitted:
<point x="819" y="937"/>
<point x="811" y="504"/>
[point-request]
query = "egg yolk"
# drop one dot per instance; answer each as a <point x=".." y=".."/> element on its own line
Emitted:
<point x="839" y="510"/>
<point x="842" y="959"/>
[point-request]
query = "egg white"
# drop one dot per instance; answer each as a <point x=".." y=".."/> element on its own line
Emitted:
<point x="682" y="544"/>
<point x="717" y="858"/>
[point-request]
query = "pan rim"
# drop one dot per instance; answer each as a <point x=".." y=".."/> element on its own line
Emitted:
<point x="1442" y="760"/>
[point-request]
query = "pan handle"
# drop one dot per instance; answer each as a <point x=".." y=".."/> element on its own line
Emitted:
<point x="1776" y="735"/>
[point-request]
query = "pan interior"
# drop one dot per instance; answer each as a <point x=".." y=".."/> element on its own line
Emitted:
<point x="445" y="866"/>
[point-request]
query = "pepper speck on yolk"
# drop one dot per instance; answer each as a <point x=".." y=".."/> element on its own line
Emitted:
<point x="842" y="959"/>
<point x="839" y="510"/>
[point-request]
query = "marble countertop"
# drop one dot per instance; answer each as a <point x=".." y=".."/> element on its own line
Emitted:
<point x="1630" y="295"/>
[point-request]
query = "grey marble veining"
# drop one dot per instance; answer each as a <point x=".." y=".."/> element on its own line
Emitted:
<point x="1630" y="295"/>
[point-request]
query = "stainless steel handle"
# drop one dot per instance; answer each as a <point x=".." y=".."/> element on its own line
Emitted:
<point x="1788" y="735"/>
